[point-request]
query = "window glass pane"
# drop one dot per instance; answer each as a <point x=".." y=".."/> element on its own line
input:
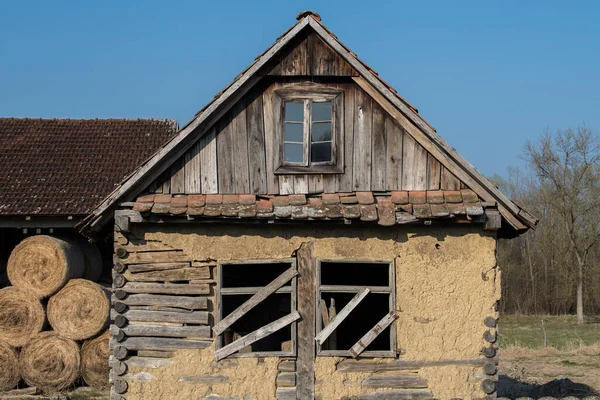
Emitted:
<point x="293" y="132"/>
<point x="321" y="132"/>
<point x="320" y="152"/>
<point x="293" y="153"/>
<point x="321" y="111"/>
<point x="294" y="111"/>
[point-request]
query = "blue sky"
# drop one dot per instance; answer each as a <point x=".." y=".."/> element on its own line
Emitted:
<point x="487" y="74"/>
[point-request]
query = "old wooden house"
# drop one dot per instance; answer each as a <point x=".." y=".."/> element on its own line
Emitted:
<point x="307" y="235"/>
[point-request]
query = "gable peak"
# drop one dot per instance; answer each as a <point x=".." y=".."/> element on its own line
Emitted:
<point x="307" y="13"/>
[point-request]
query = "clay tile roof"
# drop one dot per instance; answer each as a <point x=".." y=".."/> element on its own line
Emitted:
<point x="67" y="166"/>
<point x="417" y="206"/>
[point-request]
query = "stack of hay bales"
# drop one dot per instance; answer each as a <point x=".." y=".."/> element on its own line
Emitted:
<point x="54" y="317"/>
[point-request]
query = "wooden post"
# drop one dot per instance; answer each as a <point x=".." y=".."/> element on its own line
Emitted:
<point x="307" y="304"/>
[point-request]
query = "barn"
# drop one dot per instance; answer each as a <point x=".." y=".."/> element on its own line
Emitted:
<point x="307" y="235"/>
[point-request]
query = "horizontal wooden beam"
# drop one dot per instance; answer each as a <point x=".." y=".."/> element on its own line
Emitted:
<point x="201" y="332"/>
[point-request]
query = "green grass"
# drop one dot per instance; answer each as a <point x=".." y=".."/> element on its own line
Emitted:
<point x="562" y="331"/>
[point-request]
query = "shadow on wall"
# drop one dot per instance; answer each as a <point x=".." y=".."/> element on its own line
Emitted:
<point x="512" y="388"/>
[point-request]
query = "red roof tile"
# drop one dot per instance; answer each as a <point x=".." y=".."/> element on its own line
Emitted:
<point x="67" y="166"/>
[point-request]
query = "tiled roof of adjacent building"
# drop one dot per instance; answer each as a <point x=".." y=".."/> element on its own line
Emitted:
<point x="386" y="209"/>
<point x="67" y="166"/>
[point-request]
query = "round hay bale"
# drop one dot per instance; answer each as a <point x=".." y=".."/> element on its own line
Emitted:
<point x="9" y="365"/>
<point x="80" y="310"/>
<point x="94" y="361"/>
<point x="50" y="362"/>
<point x="21" y="316"/>
<point x="92" y="261"/>
<point x="41" y="265"/>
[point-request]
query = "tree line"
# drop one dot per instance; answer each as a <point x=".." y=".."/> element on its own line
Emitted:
<point x="555" y="268"/>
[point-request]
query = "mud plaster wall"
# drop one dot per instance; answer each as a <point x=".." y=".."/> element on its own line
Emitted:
<point x="446" y="284"/>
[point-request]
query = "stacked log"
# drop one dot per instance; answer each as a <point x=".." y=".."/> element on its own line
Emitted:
<point x="48" y="270"/>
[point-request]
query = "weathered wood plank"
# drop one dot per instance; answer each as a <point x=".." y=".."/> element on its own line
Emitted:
<point x="254" y="301"/>
<point x="269" y="130"/>
<point x="135" y="268"/>
<point x="323" y="61"/>
<point x="170" y="275"/>
<point x="256" y="335"/>
<point x="408" y="394"/>
<point x="345" y="180"/>
<point x="286" y="379"/>
<point x="368" y="338"/>
<point x="178" y="177"/>
<point x="363" y="124"/>
<point x="285" y="394"/>
<point x="414" y="165"/>
<point x="156" y="257"/>
<point x="315" y="183"/>
<point x="225" y="156"/>
<point x="155" y="354"/>
<point x="378" y="150"/>
<point x="166" y="288"/>
<point x="402" y="365"/>
<point x="147" y="362"/>
<point x="301" y="184"/>
<point x="192" y="183"/>
<point x="188" y="303"/>
<point x="193" y="317"/>
<point x="434" y="171"/>
<point x="241" y="175"/>
<point x="395" y="382"/>
<point x="449" y="181"/>
<point x="150" y="343"/>
<point x="208" y="162"/>
<point x="203" y="379"/>
<point x="339" y="318"/>
<point x="143" y="246"/>
<point x="394" y="148"/>
<point x="305" y="362"/>
<point x="294" y="61"/>
<point x="286" y="184"/>
<point x="256" y="145"/>
<point x="201" y="332"/>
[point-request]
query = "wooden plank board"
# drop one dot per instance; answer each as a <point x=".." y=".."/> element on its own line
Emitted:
<point x="192" y="183"/>
<point x="202" y="332"/>
<point x="185" y="302"/>
<point x="286" y="184"/>
<point x="378" y="150"/>
<point x="406" y="394"/>
<point x="345" y="181"/>
<point x="254" y="300"/>
<point x="135" y="268"/>
<point x="151" y="343"/>
<point x="208" y="163"/>
<point x="434" y="171"/>
<point x="269" y="130"/>
<point x="363" y="124"/>
<point x="256" y="145"/>
<point x="394" y="148"/>
<point x="193" y="317"/>
<point x="412" y="381"/>
<point x="449" y="181"/>
<point x="294" y="61"/>
<point x="368" y="338"/>
<point x="241" y="176"/>
<point x="170" y="275"/>
<point x="225" y="161"/>
<point x="178" y="177"/>
<point x="341" y="316"/>
<point x="307" y="304"/>
<point x="301" y="184"/>
<point x="256" y="335"/>
<point x="166" y="288"/>
<point x="147" y="362"/>
<point x="414" y="165"/>
<point x="156" y="257"/>
<point x="315" y="183"/>
<point x="323" y="61"/>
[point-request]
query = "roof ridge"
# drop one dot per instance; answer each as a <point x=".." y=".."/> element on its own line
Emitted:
<point x="86" y="119"/>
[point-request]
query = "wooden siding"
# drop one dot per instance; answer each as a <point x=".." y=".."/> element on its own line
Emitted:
<point x="238" y="155"/>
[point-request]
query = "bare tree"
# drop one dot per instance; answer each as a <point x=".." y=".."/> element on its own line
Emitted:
<point x="568" y="165"/>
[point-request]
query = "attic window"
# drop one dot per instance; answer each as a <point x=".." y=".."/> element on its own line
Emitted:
<point x="309" y="131"/>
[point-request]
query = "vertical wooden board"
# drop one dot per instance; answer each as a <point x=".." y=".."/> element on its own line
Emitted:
<point x="192" y="169"/>
<point x="378" y="149"/>
<point x="414" y="165"/>
<point x="286" y="184"/>
<point x="269" y="130"/>
<point x="323" y="61"/>
<point x="208" y="162"/>
<point x="449" y="181"/>
<point x="393" y="167"/>
<point x="294" y="60"/>
<point x="344" y="180"/>
<point x="301" y="184"/>
<point x="224" y="155"/>
<point x="307" y="299"/>
<point x="315" y="183"/>
<point x="166" y="183"/>
<point x="256" y="146"/>
<point x="241" y="176"/>
<point x="434" y="170"/>
<point x="329" y="183"/>
<point x="362" y="141"/>
<point x="178" y="176"/>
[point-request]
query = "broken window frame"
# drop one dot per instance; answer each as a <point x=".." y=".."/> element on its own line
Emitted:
<point x="292" y="290"/>
<point x="355" y="289"/>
